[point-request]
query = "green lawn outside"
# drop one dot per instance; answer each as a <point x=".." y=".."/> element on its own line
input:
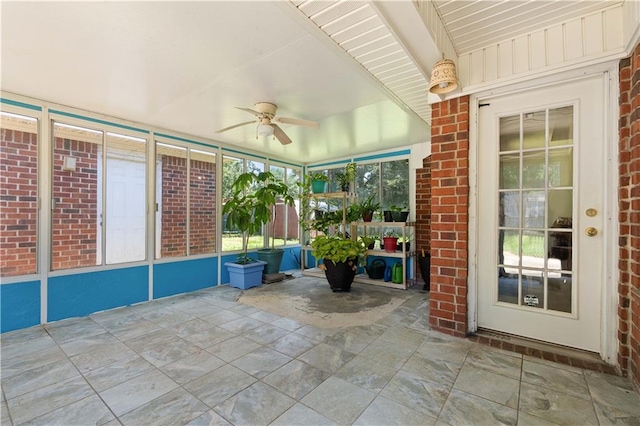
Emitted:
<point x="234" y="242"/>
<point x="532" y="245"/>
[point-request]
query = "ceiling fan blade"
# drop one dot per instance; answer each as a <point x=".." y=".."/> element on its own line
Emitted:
<point x="298" y="122"/>
<point x="280" y="135"/>
<point x="250" y="111"/>
<point x="235" y="125"/>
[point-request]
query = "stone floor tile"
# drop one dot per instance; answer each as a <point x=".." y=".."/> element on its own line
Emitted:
<point x="210" y="418"/>
<point x="552" y="364"/>
<point x="556" y="407"/>
<point x="350" y="340"/>
<point x="403" y="336"/>
<point x="18" y="345"/>
<point x="385" y="353"/>
<point x="264" y="316"/>
<point x="5" y="419"/>
<point x="615" y="399"/>
<point x="265" y="334"/>
<point x="150" y="340"/>
<point x="245" y="310"/>
<point x="197" y="308"/>
<point x="495" y="361"/>
<point x="133" y="328"/>
<point x="11" y="366"/>
<point x="101" y="357"/>
<point x="316" y="334"/>
<point x="44" y="400"/>
<point x="170" y="351"/>
<point x="221" y="317"/>
<point x="90" y="410"/>
<point x="233" y="348"/>
<point x="39" y="377"/>
<point x="383" y="411"/>
<point x="296" y="379"/>
<point x="242" y="325"/>
<point x="465" y="409"/>
<point x="440" y="347"/>
<point x="421" y="395"/>
<point x="326" y="357"/>
<point x="177" y="407"/>
<point x="187" y="328"/>
<point x="258" y="404"/>
<point x="191" y="367"/>
<point x="288" y="324"/>
<point x="436" y="370"/>
<point x="339" y="400"/>
<point x="555" y="378"/>
<point x="135" y="392"/>
<point x="494" y="387"/>
<point x="67" y="330"/>
<point x="366" y="373"/>
<point x="219" y="385"/>
<point x="261" y="362"/>
<point x="90" y="344"/>
<point x="292" y="345"/>
<point x="526" y="419"/>
<point x="115" y="373"/>
<point x="210" y="337"/>
<point x="300" y="414"/>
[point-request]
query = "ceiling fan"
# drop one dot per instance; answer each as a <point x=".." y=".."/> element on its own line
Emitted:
<point x="266" y="114"/>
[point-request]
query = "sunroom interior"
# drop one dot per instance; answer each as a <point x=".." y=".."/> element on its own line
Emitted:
<point x="125" y="124"/>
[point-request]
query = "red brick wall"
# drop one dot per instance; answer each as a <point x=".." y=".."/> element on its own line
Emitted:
<point x="174" y="207"/>
<point x="18" y="202"/>
<point x="202" y="224"/>
<point x="629" y="205"/>
<point x="423" y="208"/>
<point x="75" y="214"/>
<point x="449" y="215"/>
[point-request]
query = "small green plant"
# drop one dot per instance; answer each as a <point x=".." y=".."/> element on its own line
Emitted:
<point x="337" y="248"/>
<point x="395" y="208"/>
<point x="346" y="176"/>
<point x="317" y="176"/>
<point x="368" y="241"/>
<point x="369" y="205"/>
<point x="390" y="233"/>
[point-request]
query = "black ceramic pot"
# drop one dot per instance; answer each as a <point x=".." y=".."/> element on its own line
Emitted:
<point x="340" y="275"/>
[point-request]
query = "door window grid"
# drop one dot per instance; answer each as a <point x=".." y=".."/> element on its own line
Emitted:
<point x="534" y="228"/>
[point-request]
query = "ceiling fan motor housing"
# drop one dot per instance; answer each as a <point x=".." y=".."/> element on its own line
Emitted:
<point x="267" y="109"/>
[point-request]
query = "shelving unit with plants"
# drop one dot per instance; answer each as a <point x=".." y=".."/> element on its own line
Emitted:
<point x="405" y="232"/>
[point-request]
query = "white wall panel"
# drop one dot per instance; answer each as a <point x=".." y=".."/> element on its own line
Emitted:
<point x="585" y="39"/>
<point x="537" y="46"/>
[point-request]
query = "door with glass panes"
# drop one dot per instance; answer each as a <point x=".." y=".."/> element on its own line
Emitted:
<point x="540" y="198"/>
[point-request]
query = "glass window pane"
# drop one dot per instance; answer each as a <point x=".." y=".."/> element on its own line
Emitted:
<point x="367" y="180"/>
<point x="202" y="202"/>
<point x="256" y="240"/>
<point x="507" y="286"/>
<point x="395" y="183"/>
<point x="561" y="126"/>
<point x="509" y="209"/>
<point x="171" y="196"/>
<point x="533" y="130"/>
<point x="560" y="206"/>
<point x="533" y="169"/>
<point x="510" y="133"/>
<point x="18" y="195"/>
<point x="533" y="289"/>
<point x="77" y="194"/>
<point x="560" y="292"/>
<point x="509" y="171"/>
<point x="508" y="247"/>
<point x="293" y="225"/>
<point x="533" y="208"/>
<point x="560" y="167"/>
<point x="231" y="169"/>
<point x="125" y="210"/>
<point x="533" y="249"/>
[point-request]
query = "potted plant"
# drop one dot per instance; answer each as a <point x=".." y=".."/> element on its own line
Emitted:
<point x="271" y="191"/>
<point x="346" y="176"/>
<point x="390" y="240"/>
<point x="341" y="257"/>
<point x="399" y="213"/>
<point x="369" y="242"/>
<point x="318" y="182"/>
<point x="405" y="242"/>
<point x="368" y="207"/>
<point x="248" y="212"/>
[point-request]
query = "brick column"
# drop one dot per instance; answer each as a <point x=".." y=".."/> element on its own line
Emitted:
<point x="449" y="215"/>
<point x="629" y="205"/>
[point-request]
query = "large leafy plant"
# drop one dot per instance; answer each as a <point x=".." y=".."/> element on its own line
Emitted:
<point x="336" y="248"/>
<point x="252" y="205"/>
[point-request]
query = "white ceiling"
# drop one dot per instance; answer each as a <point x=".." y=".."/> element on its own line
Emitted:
<point x="357" y="67"/>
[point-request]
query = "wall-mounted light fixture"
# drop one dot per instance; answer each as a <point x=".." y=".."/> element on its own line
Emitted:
<point x="443" y="77"/>
<point x="69" y="164"/>
<point x="265" y="130"/>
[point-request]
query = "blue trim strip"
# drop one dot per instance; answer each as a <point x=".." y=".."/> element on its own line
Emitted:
<point x="386" y="155"/>
<point x="331" y="163"/>
<point x="244" y="153"/>
<point x="273" y="160"/>
<point x="177" y="138"/>
<point x="20" y="104"/>
<point x="95" y="120"/>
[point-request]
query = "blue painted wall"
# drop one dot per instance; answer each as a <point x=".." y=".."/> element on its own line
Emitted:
<point x="19" y="305"/>
<point x="82" y="294"/>
<point x="184" y="276"/>
<point x="291" y="258"/>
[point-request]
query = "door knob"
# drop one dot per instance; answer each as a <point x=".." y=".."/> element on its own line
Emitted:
<point x="591" y="231"/>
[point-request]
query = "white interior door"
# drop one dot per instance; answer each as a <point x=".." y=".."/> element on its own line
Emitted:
<point x="541" y="163"/>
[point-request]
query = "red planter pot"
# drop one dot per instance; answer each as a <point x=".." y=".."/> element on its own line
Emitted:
<point x="389" y="244"/>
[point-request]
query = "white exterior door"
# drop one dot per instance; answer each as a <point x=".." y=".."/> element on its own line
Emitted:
<point x="541" y="180"/>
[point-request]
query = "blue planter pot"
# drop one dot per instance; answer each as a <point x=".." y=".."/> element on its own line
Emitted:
<point x="318" y="186"/>
<point x="245" y="276"/>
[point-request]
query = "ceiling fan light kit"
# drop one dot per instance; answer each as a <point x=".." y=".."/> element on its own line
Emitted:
<point x="266" y="114"/>
<point x="444" y="78"/>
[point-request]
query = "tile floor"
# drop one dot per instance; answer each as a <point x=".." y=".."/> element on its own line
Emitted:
<point x="204" y="359"/>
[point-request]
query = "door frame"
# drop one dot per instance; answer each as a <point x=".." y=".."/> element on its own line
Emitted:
<point x="609" y="297"/>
